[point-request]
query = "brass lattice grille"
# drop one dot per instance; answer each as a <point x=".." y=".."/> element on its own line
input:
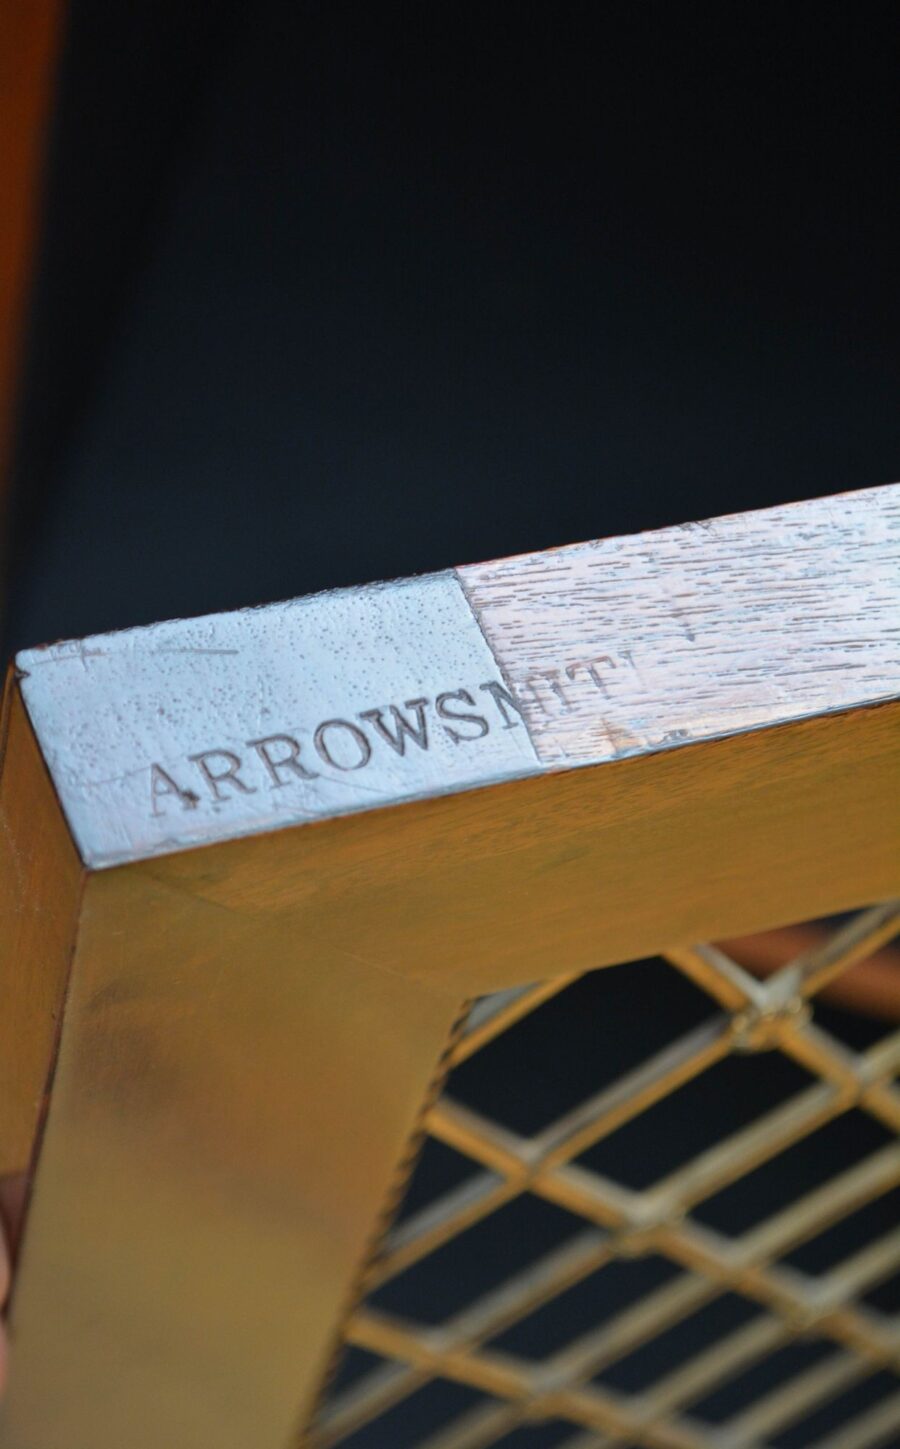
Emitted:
<point x="617" y="1223"/>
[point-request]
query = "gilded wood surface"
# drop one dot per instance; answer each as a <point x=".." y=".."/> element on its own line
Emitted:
<point x="229" y="1107"/>
<point x="538" y="877"/>
<point x="253" y="1026"/>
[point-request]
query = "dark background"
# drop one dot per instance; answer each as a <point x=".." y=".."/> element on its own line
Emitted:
<point x="331" y="293"/>
<point x="336" y="292"/>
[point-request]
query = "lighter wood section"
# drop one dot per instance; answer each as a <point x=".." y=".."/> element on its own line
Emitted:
<point x="40" y="880"/>
<point x="655" y="640"/>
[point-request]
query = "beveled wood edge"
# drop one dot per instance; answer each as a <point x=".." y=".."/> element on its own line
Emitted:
<point x="368" y="931"/>
<point x="579" y="656"/>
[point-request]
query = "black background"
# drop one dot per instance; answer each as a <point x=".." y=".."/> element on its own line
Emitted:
<point x="331" y="293"/>
<point x="334" y="292"/>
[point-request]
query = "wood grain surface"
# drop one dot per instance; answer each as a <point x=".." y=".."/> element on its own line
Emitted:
<point x="255" y="1017"/>
<point x="252" y="1028"/>
<point x="658" y="639"/>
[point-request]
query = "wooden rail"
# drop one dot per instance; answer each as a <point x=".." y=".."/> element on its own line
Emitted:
<point x="254" y="866"/>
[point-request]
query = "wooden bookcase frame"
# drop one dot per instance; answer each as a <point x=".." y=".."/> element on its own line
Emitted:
<point x="221" y="1033"/>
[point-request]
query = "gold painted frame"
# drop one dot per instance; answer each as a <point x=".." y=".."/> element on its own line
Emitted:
<point x="217" y="1051"/>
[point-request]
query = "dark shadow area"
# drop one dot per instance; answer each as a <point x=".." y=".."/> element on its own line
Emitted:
<point x="334" y="292"/>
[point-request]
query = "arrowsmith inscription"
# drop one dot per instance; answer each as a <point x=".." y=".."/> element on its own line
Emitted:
<point x="181" y="734"/>
<point x="335" y="746"/>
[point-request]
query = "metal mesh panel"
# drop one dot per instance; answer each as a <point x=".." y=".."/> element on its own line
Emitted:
<point x="816" y="1333"/>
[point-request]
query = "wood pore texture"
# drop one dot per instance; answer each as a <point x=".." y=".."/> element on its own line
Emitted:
<point x="650" y="641"/>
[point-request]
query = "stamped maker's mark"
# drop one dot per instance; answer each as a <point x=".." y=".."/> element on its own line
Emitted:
<point x="334" y="748"/>
<point x="341" y="747"/>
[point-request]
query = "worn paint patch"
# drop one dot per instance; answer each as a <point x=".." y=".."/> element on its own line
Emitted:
<point x="197" y="730"/>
